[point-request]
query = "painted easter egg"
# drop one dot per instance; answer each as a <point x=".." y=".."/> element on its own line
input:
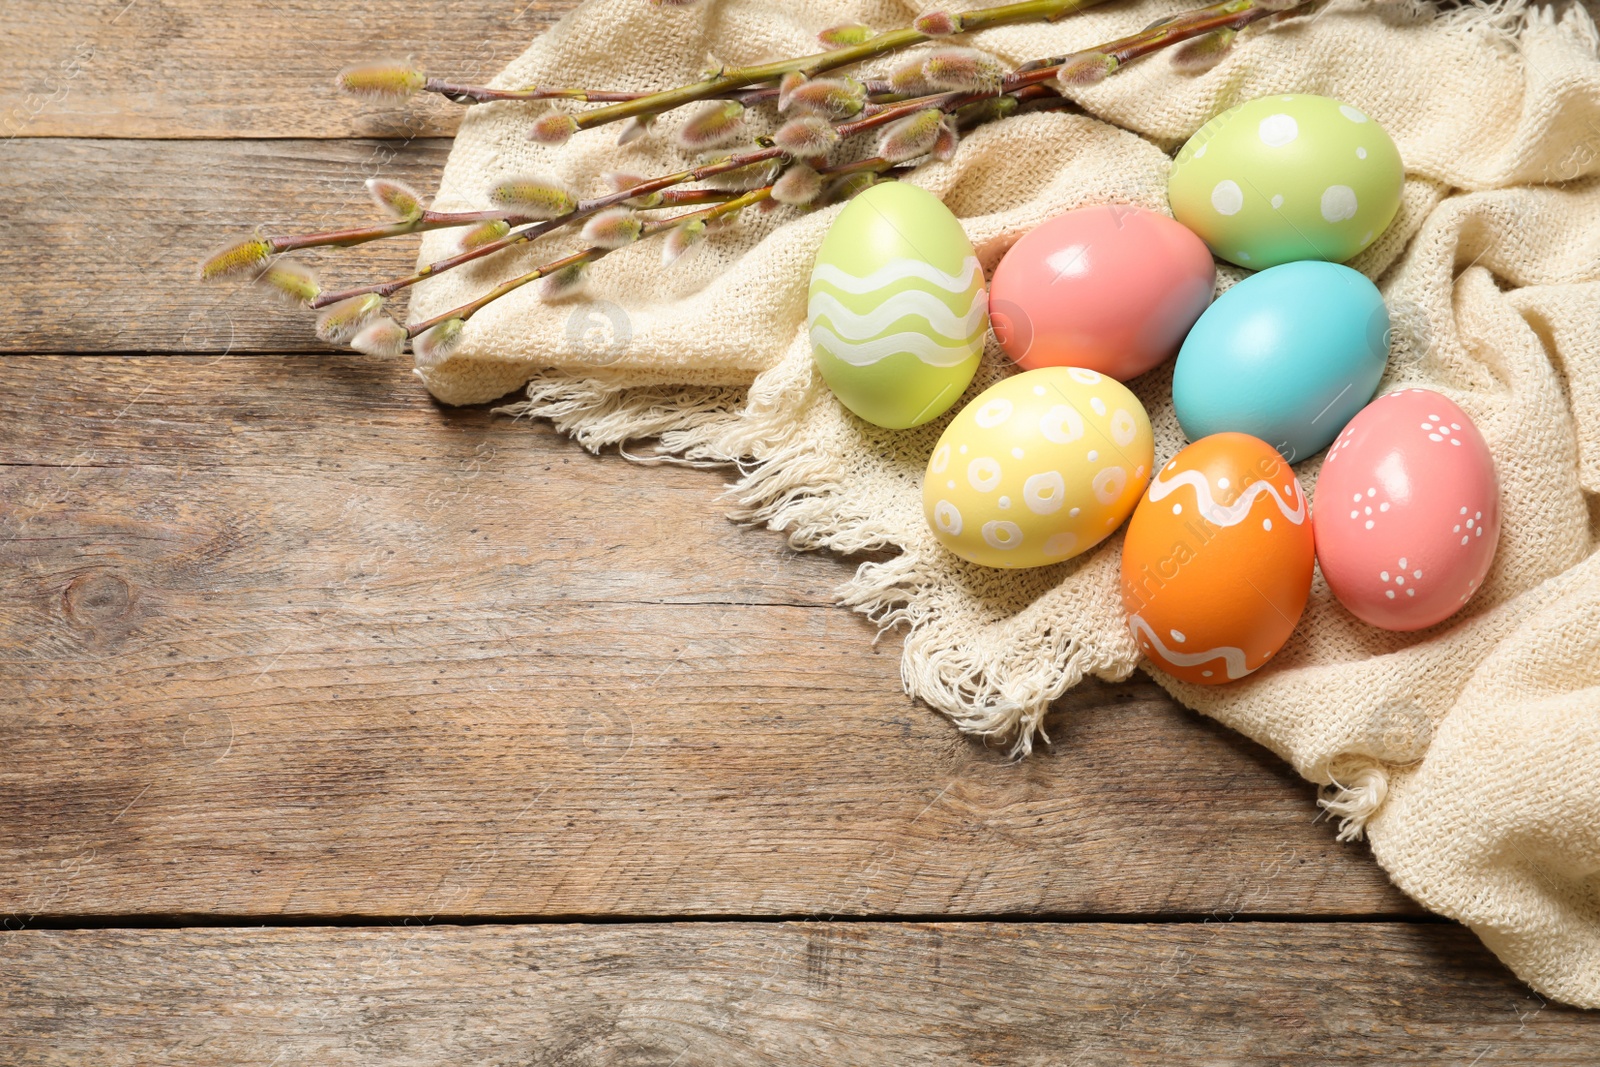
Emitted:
<point x="1217" y="560"/>
<point x="1408" y="511"/>
<point x="1288" y="355"/>
<point x="1038" y="468"/>
<point x="1112" y="288"/>
<point x="897" y="310"/>
<point x="1285" y="178"/>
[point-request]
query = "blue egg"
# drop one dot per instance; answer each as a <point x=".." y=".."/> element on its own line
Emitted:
<point x="1288" y="355"/>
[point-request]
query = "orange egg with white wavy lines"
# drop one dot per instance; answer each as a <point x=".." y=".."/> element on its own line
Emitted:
<point x="1216" y="564"/>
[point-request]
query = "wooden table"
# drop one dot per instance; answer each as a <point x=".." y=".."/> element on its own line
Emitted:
<point x="341" y="727"/>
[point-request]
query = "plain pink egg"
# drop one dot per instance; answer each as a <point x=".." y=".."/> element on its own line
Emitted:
<point x="1407" y="511"/>
<point x="1113" y="288"/>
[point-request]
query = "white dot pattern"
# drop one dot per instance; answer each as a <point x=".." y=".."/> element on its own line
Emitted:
<point x="1278" y="130"/>
<point x="1227" y="197"/>
<point x="1339" y="203"/>
<point x="983" y="474"/>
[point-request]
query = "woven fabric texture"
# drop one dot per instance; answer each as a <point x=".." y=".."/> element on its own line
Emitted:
<point x="1468" y="754"/>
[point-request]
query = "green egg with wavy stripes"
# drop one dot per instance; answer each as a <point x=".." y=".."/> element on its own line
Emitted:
<point x="1285" y="178"/>
<point x="898" y="310"/>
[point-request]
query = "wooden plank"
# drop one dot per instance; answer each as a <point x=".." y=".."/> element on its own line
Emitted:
<point x="730" y="994"/>
<point x="187" y="68"/>
<point x="101" y="239"/>
<point x="283" y="637"/>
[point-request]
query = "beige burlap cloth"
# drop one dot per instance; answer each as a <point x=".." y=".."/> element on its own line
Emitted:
<point x="1470" y="753"/>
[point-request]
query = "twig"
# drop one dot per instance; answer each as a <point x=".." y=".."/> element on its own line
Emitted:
<point x="822" y="62"/>
<point x="918" y="125"/>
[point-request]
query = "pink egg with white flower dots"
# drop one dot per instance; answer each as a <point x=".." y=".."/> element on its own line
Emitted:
<point x="1407" y="511"/>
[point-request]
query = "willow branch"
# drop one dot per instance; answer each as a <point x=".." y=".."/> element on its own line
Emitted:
<point x="665" y="182"/>
<point x="811" y="66"/>
<point x="482" y="94"/>
<point x="1224" y="15"/>
<point x="587" y="256"/>
<point x="1025" y="85"/>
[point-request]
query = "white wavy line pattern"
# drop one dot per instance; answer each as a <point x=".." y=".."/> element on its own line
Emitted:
<point x="854" y="326"/>
<point x="1232" y="658"/>
<point x="1162" y="487"/>
<point x="866" y="353"/>
<point x="848" y="336"/>
<point x="897" y="271"/>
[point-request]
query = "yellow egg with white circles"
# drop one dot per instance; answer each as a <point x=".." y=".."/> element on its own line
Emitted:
<point x="1038" y="468"/>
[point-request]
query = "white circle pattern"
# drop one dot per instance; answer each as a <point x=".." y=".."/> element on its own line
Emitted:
<point x="1044" y="493"/>
<point x="1227" y="197"/>
<point x="1123" y="428"/>
<point x="984" y="474"/>
<point x="1109" y="483"/>
<point x="1339" y="203"/>
<point x="1060" y="544"/>
<point x="1002" y="535"/>
<point x="1278" y="130"/>
<point x="1061" y="425"/>
<point x="993" y="413"/>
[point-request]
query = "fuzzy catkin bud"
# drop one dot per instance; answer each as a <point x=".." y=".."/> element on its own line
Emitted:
<point x="963" y="70"/>
<point x="634" y="128"/>
<point x="340" y="322"/>
<point x="381" y="80"/>
<point x="945" y="144"/>
<point x="806" y="137"/>
<point x="384" y="337"/>
<point x="553" y="129"/>
<point x="568" y="281"/>
<point x="290" y="282"/>
<point x="395" y="198"/>
<point x="835" y="97"/>
<point x="537" y="198"/>
<point x="714" y="125"/>
<point x="681" y="239"/>
<point x="433" y="346"/>
<point x="912" y="136"/>
<point x="749" y="176"/>
<point x="937" y="24"/>
<point x="799" y="185"/>
<point x="907" y="78"/>
<point x="786" y="87"/>
<point x="847" y="34"/>
<point x="1086" y="68"/>
<point x="713" y="69"/>
<point x="1200" y="54"/>
<point x="485" y="233"/>
<point x="613" y="228"/>
<point x="619" y="182"/>
<point x="246" y="257"/>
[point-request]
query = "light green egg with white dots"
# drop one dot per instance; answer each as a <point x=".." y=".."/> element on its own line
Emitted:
<point x="898" y="309"/>
<point x="1285" y="178"/>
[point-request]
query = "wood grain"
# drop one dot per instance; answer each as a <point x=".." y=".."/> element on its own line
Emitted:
<point x="188" y="68"/>
<point x="101" y="239"/>
<point x="733" y="994"/>
<point x="284" y="637"/>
